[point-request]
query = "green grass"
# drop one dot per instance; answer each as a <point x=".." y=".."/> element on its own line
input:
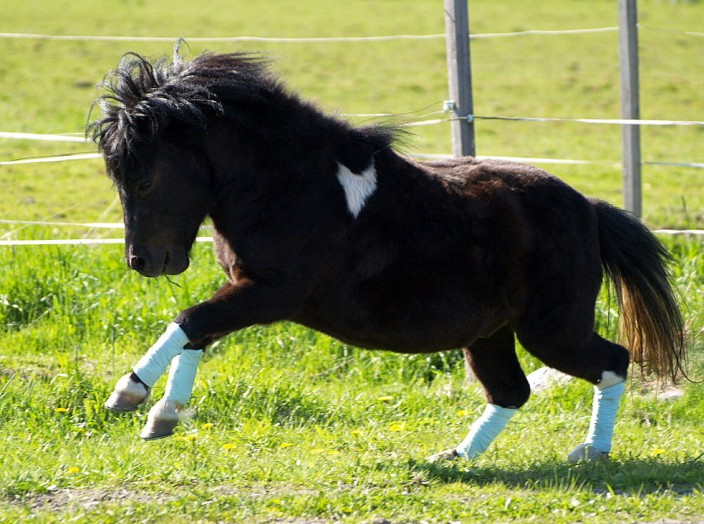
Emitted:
<point x="288" y="424"/>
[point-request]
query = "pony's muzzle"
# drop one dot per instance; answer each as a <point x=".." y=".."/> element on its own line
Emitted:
<point x="146" y="262"/>
<point x="156" y="263"/>
<point x="142" y="261"/>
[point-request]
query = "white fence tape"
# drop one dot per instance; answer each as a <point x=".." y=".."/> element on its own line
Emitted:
<point x="525" y="160"/>
<point x="47" y="159"/>
<point x="599" y="121"/>
<point x="43" y="137"/>
<point x="109" y="38"/>
<point x="120" y="225"/>
<point x="93" y="225"/>
<point x="76" y="241"/>
<point x="699" y="165"/>
<point x="436" y="36"/>
<point x="383" y="38"/>
<point x="106" y="241"/>
<point x="695" y="232"/>
<point x="305" y="40"/>
<point x="429" y="156"/>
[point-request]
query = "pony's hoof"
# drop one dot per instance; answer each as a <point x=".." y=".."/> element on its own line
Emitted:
<point x="162" y="419"/>
<point x="444" y="456"/>
<point x="128" y="395"/>
<point x="584" y="453"/>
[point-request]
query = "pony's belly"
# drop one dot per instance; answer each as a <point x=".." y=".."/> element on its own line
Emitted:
<point x="412" y="305"/>
<point x="422" y="330"/>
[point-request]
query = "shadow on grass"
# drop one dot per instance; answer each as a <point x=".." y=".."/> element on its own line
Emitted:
<point x="626" y="477"/>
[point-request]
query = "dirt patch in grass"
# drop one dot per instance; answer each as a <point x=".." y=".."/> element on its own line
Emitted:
<point x="87" y="498"/>
<point x="65" y="499"/>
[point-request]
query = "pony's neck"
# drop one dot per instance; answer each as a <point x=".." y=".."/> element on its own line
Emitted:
<point x="300" y="138"/>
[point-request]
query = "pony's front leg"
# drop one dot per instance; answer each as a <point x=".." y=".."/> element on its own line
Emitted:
<point x="133" y="389"/>
<point x="233" y="307"/>
<point x="164" y="415"/>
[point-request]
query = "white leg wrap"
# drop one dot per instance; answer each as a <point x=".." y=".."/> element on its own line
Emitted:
<point x="154" y="363"/>
<point x="182" y="376"/>
<point x="605" y="407"/>
<point x="607" y="397"/>
<point x="164" y="415"/>
<point x="485" y="430"/>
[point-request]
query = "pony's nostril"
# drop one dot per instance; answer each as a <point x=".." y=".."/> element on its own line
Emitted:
<point x="137" y="263"/>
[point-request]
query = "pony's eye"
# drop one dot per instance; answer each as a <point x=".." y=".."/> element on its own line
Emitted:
<point x="144" y="186"/>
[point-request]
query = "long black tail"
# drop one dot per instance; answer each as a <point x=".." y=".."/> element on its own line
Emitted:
<point x="651" y="325"/>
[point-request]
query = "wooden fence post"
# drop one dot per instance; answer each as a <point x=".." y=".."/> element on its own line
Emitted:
<point x="460" y="76"/>
<point x="630" y="106"/>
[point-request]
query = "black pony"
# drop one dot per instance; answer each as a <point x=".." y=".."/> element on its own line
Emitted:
<point x="323" y="223"/>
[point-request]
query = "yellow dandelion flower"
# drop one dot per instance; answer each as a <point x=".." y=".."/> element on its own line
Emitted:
<point x="285" y="445"/>
<point x="397" y="426"/>
<point x="73" y="470"/>
<point x="463" y="413"/>
<point x="317" y="451"/>
<point x="386" y="398"/>
<point x="62" y="410"/>
<point x="191" y="437"/>
<point x="356" y="432"/>
<point x="333" y="452"/>
<point x="207" y="426"/>
<point x="657" y="452"/>
<point x="229" y="445"/>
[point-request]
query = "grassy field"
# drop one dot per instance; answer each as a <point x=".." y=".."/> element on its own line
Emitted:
<point x="289" y="425"/>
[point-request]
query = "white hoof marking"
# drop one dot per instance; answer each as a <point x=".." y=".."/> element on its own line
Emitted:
<point x="608" y="379"/>
<point x="128" y="395"/>
<point x="444" y="456"/>
<point x="162" y="419"/>
<point x="586" y="453"/>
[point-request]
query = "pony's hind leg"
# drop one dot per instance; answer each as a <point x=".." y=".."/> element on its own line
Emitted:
<point x="598" y="361"/>
<point x="493" y="361"/>
<point x="608" y="389"/>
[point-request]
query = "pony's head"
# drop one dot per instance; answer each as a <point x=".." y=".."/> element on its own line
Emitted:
<point x="151" y="136"/>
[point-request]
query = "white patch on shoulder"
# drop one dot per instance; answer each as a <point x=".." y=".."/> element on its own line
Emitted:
<point x="608" y="379"/>
<point x="357" y="187"/>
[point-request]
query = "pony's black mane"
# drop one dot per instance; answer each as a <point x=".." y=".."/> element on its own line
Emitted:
<point x="142" y="100"/>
